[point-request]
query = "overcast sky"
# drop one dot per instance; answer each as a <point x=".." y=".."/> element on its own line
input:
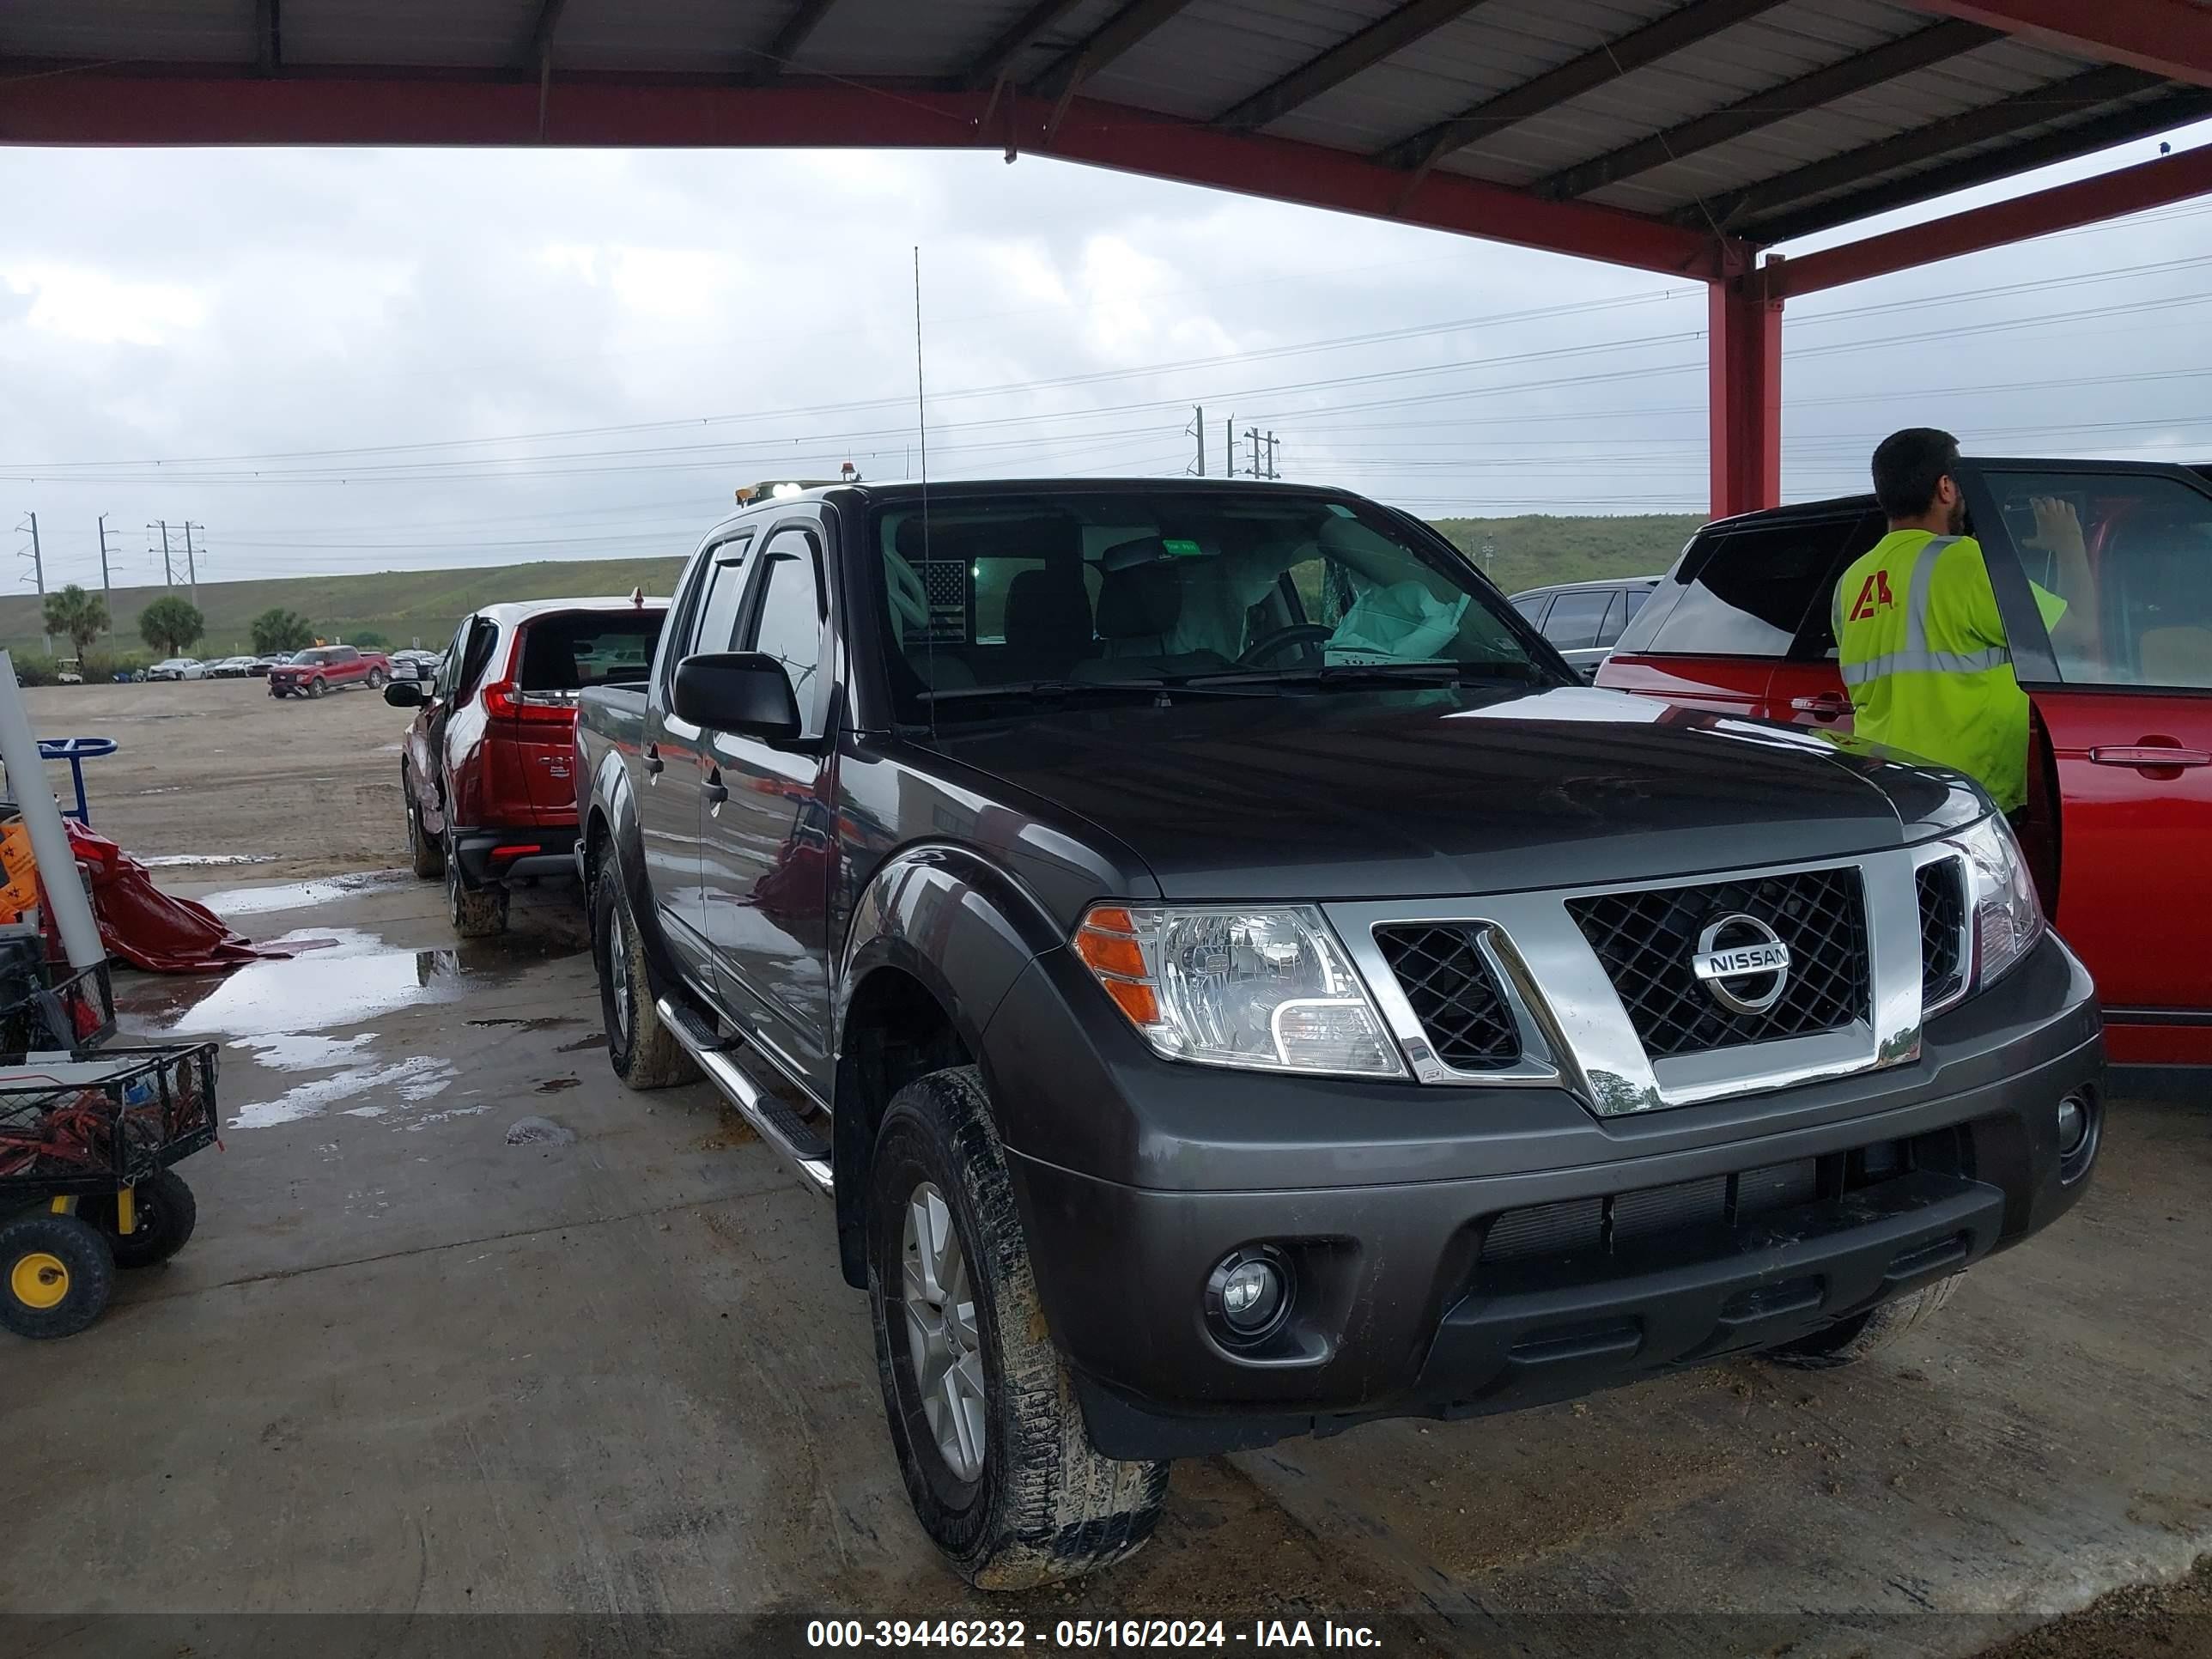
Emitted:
<point x="389" y="360"/>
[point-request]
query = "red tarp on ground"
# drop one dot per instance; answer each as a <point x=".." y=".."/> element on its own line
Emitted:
<point x="150" y="928"/>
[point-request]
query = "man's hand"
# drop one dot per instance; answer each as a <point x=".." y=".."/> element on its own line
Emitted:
<point x="2057" y="527"/>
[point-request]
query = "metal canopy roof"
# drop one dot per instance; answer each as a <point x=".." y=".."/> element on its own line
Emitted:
<point x="1675" y="135"/>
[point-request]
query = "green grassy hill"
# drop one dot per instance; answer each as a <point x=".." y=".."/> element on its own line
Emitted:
<point x="403" y="605"/>
<point x="400" y="605"/>
<point x="1530" y="551"/>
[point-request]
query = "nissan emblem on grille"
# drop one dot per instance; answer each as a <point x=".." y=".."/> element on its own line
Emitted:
<point x="1731" y="967"/>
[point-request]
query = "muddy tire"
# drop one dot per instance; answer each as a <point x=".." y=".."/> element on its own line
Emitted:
<point x="475" y="911"/>
<point x="165" y="1216"/>
<point x="1851" y="1340"/>
<point x="376" y="680"/>
<point x="316" y="687"/>
<point x="643" y="1051"/>
<point x="426" y="854"/>
<point x="55" y="1275"/>
<point x="993" y="1447"/>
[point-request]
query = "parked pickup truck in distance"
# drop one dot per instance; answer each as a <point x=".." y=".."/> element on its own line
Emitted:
<point x="323" y="669"/>
<point x="1233" y="982"/>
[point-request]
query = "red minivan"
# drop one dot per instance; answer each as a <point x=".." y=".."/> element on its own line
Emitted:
<point x="2119" y="822"/>
<point x="486" y="771"/>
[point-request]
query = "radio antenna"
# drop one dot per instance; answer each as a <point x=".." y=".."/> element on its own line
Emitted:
<point x="928" y="569"/>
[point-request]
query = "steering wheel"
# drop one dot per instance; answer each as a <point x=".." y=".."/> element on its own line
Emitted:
<point x="1297" y="634"/>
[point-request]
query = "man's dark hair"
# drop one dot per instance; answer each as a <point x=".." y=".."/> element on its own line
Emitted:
<point x="1907" y="467"/>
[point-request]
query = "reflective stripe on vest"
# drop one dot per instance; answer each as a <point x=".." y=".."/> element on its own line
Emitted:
<point x="1916" y="658"/>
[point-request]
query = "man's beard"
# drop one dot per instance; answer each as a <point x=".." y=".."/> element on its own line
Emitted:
<point x="1959" y="516"/>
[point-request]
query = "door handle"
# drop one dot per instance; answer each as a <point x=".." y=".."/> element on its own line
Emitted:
<point x="1827" y="706"/>
<point x="653" y="757"/>
<point x="714" y="790"/>
<point x="2149" y="755"/>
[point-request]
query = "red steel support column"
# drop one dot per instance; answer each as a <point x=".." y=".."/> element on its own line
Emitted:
<point x="1744" y="394"/>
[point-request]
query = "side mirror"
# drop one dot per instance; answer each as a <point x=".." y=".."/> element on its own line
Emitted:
<point x="744" y="693"/>
<point x="403" y="694"/>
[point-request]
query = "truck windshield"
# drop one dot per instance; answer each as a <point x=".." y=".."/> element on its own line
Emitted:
<point x="1177" y="587"/>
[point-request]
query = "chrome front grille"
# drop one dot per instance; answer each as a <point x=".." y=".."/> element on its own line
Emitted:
<point x="1454" y="994"/>
<point x="1646" y="940"/>
<point x="1940" y="888"/>
<point x="1599" y="993"/>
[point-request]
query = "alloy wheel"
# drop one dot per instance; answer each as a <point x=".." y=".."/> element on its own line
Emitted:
<point x="938" y="1301"/>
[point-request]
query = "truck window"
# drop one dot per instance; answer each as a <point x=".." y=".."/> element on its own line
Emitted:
<point x="2150" y="543"/>
<point x="787" y="617"/>
<point x="717" y="607"/>
<point x="1749" y="591"/>
<point x="1576" y="616"/>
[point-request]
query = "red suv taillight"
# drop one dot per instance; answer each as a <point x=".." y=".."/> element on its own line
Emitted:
<point x="503" y="703"/>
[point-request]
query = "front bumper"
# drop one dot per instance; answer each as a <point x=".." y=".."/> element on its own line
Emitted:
<point x="1469" y="1250"/>
<point x="487" y="856"/>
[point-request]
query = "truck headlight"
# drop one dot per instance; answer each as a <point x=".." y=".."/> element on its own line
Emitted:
<point x="1226" y="985"/>
<point x="2008" y="917"/>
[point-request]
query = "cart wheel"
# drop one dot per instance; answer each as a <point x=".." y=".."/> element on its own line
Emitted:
<point x="166" y="1215"/>
<point x="55" y="1275"/>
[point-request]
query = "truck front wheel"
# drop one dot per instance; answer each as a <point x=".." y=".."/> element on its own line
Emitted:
<point x="990" y="1439"/>
<point x="642" y="1049"/>
<point x="1854" y="1338"/>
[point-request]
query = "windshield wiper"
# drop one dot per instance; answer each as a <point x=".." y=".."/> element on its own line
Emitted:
<point x="1348" y="673"/>
<point x="1049" y="690"/>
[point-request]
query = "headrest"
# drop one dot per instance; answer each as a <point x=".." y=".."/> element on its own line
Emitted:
<point x="1140" y="601"/>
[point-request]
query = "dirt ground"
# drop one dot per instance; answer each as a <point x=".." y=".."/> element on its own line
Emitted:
<point x="218" y="772"/>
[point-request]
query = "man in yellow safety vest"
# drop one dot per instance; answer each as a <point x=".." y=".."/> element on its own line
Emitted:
<point x="1921" y="647"/>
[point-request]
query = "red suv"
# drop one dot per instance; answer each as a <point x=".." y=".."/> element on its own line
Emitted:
<point x="486" y="770"/>
<point x="2119" y="820"/>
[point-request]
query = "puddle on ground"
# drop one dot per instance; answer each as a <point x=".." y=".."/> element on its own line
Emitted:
<point x="303" y="894"/>
<point x="398" y="1083"/>
<point x="350" y="979"/>
<point x="296" y="1052"/>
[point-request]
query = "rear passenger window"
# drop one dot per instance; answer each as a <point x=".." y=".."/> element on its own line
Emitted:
<point x="1752" y="591"/>
<point x="1532" y="606"/>
<point x="1576" y="616"/>
<point x="1615" y="615"/>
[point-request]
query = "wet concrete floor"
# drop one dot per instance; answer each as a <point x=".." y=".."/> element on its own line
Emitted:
<point x="408" y="1367"/>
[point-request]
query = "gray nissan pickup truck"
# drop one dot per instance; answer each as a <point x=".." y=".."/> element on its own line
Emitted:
<point x="1232" y="981"/>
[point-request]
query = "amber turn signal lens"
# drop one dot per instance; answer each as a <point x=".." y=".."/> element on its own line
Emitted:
<point x="1110" y="953"/>
<point x="1133" y="1000"/>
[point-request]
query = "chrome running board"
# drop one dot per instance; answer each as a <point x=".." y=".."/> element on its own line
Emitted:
<point x="770" y="1119"/>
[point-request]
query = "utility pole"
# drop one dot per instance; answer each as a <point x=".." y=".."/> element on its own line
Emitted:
<point x="1229" y="443"/>
<point x="1274" y="471"/>
<point x="107" y="592"/>
<point x="39" y="576"/>
<point x="191" y="571"/>
<point x="1253" y="432"/>
<point x="1198" y="425"/>
<point x="169" y="576"/>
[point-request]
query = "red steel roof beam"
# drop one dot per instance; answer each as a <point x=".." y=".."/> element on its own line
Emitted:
<point x="2064" y="207"/>
<point x="2170" y="38"/>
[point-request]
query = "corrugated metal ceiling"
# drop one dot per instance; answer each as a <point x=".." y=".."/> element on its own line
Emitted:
<point x="1197" y="60"/>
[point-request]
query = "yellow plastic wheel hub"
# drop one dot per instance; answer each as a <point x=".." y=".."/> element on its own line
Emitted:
<point x="39" y="1280"/>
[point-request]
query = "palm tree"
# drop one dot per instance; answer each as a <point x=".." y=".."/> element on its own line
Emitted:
<point x="78" y="614"/>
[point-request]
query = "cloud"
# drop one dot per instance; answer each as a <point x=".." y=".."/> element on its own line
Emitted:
<point x="373" y="334"/>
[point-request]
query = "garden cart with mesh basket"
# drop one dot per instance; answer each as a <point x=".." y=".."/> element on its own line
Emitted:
<point x="87" y="1183"/>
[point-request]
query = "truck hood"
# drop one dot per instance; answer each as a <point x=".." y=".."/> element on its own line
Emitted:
<point x="1441" y="791"/>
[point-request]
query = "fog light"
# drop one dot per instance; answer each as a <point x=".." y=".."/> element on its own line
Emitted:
<point x="1248" y="1294"/>
<point x="2073" y="1125"/>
